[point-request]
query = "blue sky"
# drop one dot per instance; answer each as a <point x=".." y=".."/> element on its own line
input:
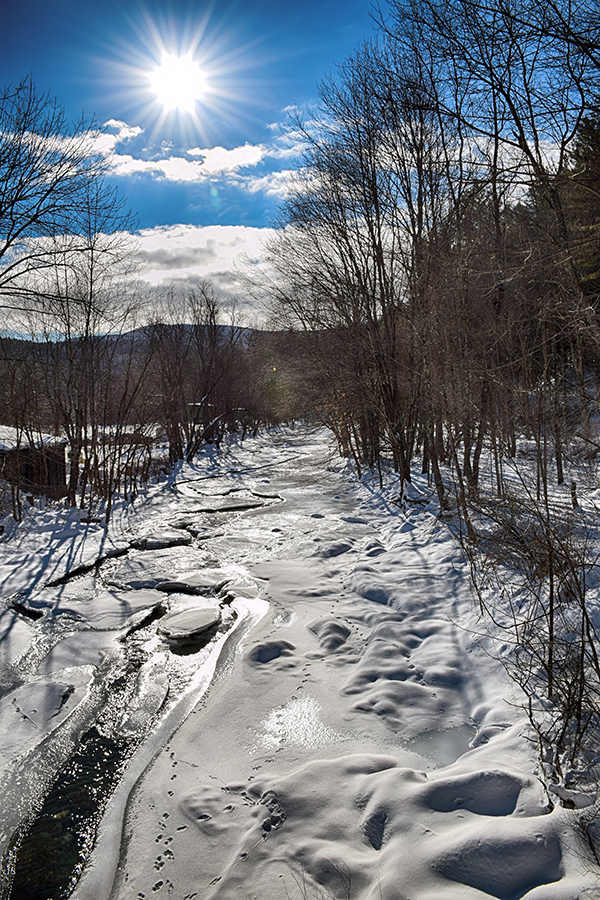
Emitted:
<point x="205" y="182"/>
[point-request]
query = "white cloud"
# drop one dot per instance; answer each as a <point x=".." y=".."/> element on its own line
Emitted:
<point x="124" y="131"/>
<point x="287" y="151"/>
<point x="173" y="168"/>
<point x="218" y="159"/>
<point x="200" y="164"/>
<point x="274" y="184"/>
<point x="105" y="142"/>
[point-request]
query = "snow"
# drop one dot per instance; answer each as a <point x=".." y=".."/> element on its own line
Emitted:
<point x="344" y="728"/>
<point x="12" y="438"/>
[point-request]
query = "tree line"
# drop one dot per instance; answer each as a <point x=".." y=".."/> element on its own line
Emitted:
<point x="438" y="269"/>
<point x="131" y="402"/>
<point x="441" y="241"/>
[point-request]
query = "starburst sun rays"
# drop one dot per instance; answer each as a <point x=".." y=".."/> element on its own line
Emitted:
<point x="181" y="78"/>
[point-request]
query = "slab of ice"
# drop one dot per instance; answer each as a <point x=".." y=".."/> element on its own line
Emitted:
<point x="72" y="650"/>
<point x="108" y="610"/>
<point x="159" y="540"/>
<point x="188" y="624"/>
<point x="15" y="635"/>
<point x="197" y="582"/>
<point x="148" y="568"/>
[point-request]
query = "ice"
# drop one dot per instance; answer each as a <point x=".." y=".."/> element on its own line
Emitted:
<point x="15" y="636"/>
<point x="150" y="693"/>
<point x="159" y="540"/>
<point x="445" y="746"/>
<point x="71" y="649"/>
<point x="185" y="625"/>
<point x="32" y="711"/>
<point x="298" y="722"/>
<point x="196" y="582"/>
<point x="149" y="568"/>
<point x="108" y="610"/>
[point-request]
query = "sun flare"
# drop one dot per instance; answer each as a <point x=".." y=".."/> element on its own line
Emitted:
<point x="178" y="82"/>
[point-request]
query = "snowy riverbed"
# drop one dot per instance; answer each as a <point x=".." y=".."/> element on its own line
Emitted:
<point x="282" y="672"/>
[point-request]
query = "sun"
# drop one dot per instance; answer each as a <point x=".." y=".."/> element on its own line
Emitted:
<point x="178" y="82"/>
<point x="183" y="77"/>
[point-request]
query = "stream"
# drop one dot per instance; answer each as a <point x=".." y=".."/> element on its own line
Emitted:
<point x="236" y="603"/>
<point x="51" y="829"/>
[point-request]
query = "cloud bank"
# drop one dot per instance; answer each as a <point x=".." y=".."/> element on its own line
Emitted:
<point x="181" y="254"/>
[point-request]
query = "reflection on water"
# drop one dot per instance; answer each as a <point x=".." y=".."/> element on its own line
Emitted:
<point x="49" y="858"/>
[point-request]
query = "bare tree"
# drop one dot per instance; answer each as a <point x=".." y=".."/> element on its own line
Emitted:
<point x="200" y="370"/>
<point x="78" y="302"/>
<point x="49" y="167"/>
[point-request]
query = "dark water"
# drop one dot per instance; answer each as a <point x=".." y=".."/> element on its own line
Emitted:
<point x="50" y="854"/>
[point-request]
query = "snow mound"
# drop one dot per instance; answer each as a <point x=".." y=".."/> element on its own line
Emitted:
<point x="345" y="824"/>
<point x="505" y="860"/>
<point x="485" y="793"/>
<point x="331" y="633"/>
<point x="267" y="651"/>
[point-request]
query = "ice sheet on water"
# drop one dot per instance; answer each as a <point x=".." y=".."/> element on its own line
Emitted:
<point x="184" y="625"/>
<point x="443" y="747"/>
<point x="160" y="540"/>
<point x="15" y="635"/>
<point x="33" y="710"/>
<point x="151" y="567"/>
<point x="108" y="610"/>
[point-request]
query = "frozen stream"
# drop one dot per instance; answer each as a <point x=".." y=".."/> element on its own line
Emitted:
<point x="270" y="686"/>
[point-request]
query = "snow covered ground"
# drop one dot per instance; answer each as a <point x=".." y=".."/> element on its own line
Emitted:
<point x="277" y="687"/>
